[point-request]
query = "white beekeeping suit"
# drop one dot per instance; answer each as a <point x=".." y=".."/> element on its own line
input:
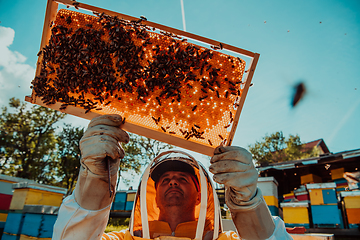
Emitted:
<point x="84" y="214"/>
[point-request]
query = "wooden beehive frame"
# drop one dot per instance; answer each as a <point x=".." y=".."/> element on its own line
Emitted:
<point x="51" y="11"/>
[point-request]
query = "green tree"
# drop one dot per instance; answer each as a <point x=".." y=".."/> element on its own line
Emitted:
<point x="276" y="148"/>
<point x="139" y="151"/>
<point x="27" y="138"/>
<point x="68" y="156"/>
<point x="30" y="147"/>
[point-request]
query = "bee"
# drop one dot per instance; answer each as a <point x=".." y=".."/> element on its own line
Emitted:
<point x="299" y="93"/>
<point x="217" y="84"/>
<point x="76" y="4"/>
<point x="63" y="106"/>
<point x="202" y="98"/>
<point x="155" y="120"/>
<point x="231" y="83"/>
<point x="68" y="20"/>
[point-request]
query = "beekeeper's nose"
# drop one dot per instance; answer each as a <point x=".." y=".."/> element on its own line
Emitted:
<point x="173" y="182"/>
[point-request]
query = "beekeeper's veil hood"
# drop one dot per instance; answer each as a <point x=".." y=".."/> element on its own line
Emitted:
<point x="145" y="210"/>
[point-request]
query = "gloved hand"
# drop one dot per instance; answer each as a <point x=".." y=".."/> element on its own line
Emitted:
<point x="233" y="167"/>
<point x="101" y="139"/>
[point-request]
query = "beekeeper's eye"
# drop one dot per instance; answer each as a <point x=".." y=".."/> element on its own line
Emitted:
<point x="165" y="180"/>
<point x="183" y="179"/>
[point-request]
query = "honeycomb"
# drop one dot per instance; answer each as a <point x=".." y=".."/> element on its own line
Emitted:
<point x="154" y="79"/>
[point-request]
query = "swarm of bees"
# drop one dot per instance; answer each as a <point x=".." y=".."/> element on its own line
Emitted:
<point x="155" y="78"/>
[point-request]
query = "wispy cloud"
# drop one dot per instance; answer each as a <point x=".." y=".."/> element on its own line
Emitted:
<point x="343" y="121"/>
<point x="15" y="74"/>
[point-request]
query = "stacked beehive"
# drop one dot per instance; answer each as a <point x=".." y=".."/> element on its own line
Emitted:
<point x="5" y="198"/>
<point x="123" y="201"/>
<point x="301" y="194"/>
<point x="310" y="178"/>
<point x="351" y="201"/>
<point x="337" y="175"/>
<point x="295" y="207"/>
<point x="296" y="214"/>
<point x="324" y="205"/>
<point x="6" y="194"/>
<point x="32" y="211"/>
<point x="268" y="187"/>
<point x="289" y="197"/>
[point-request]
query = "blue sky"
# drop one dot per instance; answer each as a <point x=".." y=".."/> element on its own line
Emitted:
<point x="315" y="42"/>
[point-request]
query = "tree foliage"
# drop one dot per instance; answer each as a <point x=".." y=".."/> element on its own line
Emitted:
<point x="30" y="146"/>
<point x="277" y="148"/>
<point x="68" y="155"/>
<point x="27" y="138"/>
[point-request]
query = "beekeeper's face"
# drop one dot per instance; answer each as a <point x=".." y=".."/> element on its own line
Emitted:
<point x="177" y="189"/>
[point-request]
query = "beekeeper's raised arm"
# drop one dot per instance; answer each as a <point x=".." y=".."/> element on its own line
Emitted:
<point x="175" y="199"/>
<point x="84" y="214"/>
<point x="233" y="167"/>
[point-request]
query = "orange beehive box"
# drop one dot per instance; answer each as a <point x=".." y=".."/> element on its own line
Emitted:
<point x="353" y="215"/>
<point x="337" y="173"/>
<point x="310" y="178"/>
<point x="352" y="206"/>
<point x="167" y="87"/>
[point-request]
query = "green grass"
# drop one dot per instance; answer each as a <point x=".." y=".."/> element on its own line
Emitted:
<point x="111" y="228"/>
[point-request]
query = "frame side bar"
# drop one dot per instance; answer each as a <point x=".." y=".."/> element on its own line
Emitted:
<point x="254" y="62"/>
<point x="50" y="14"/>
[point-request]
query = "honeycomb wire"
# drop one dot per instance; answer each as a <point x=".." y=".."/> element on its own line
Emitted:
<point x="155" y="80"/>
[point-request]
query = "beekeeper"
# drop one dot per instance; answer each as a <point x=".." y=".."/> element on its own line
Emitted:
<point x="175" y="198"/>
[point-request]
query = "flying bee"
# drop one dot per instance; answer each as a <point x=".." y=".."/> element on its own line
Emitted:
<point x="299" y="93"/>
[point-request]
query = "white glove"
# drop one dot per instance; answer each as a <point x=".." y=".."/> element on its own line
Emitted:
<point x="233" y="167"/>
<point x="101" y="139"/>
